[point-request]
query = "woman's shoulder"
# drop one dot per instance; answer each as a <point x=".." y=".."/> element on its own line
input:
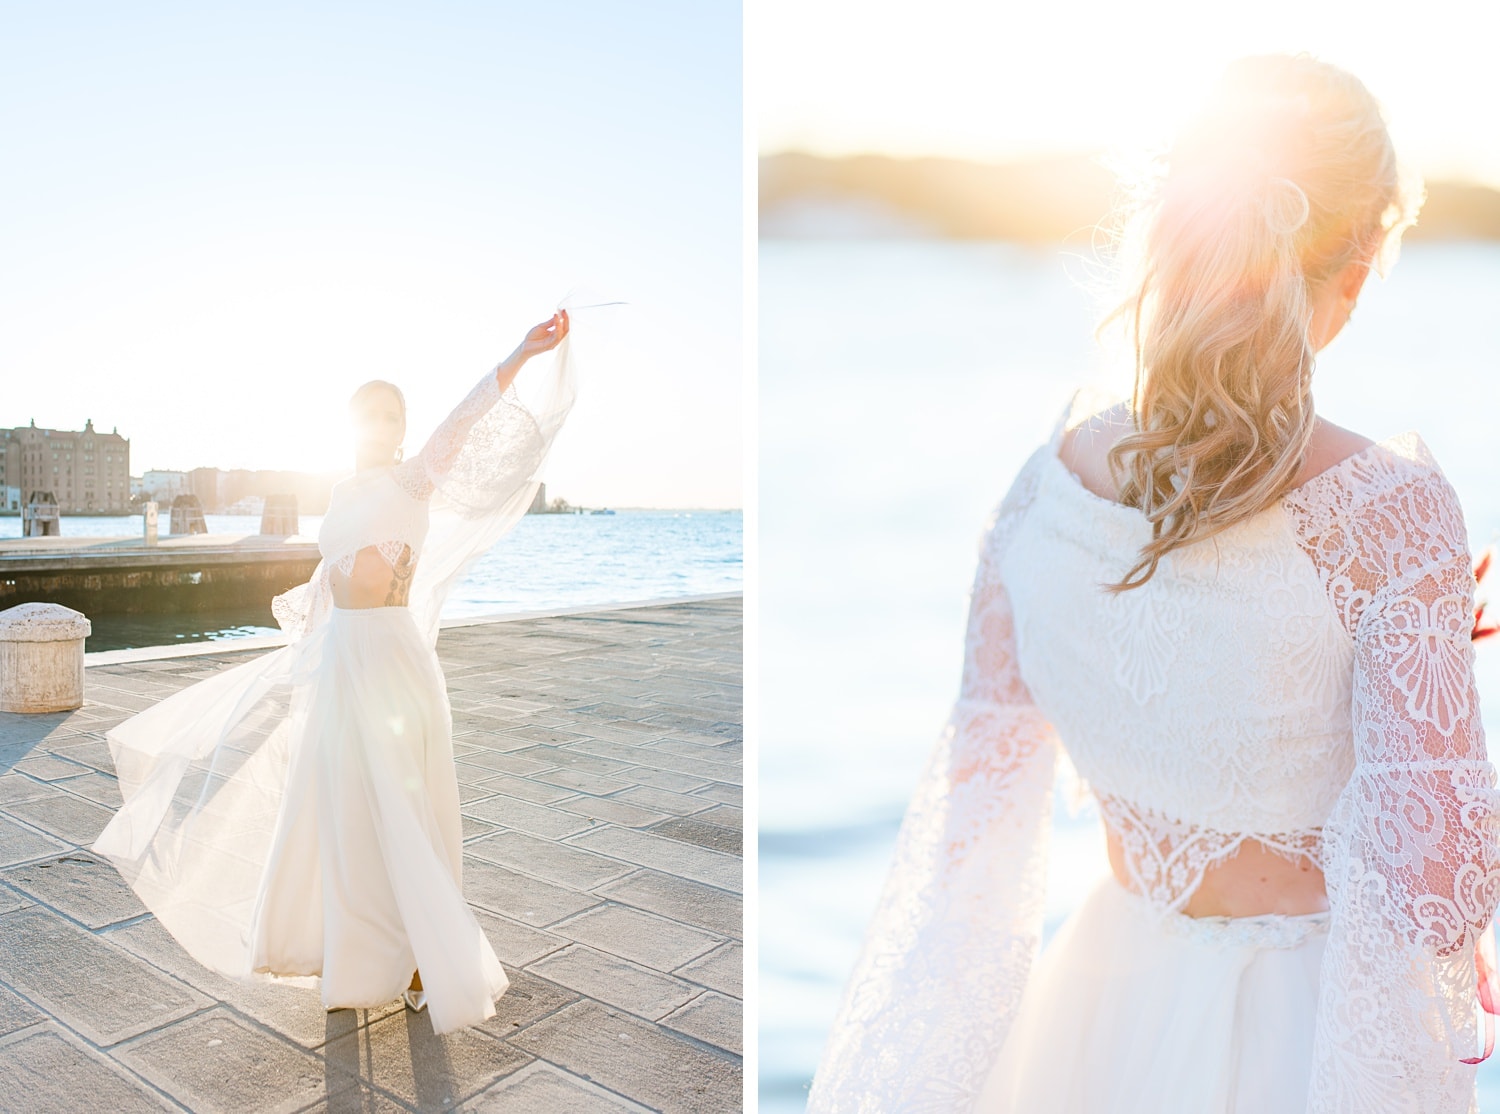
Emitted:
<point x="1346" y="465"/>
<point x="1385" y="505"/>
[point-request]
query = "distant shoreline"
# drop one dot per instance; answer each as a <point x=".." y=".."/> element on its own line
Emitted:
<point x="1039" y="201"/>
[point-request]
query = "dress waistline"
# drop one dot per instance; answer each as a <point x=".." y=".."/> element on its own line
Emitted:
<point x="1261" y="930"/>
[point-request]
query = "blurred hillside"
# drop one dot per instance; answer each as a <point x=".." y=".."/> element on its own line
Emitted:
<point x="1043" y="201"/>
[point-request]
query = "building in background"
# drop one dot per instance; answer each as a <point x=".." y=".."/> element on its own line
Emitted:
<point x="86" y="471"/>
<point x="160" y="485"/>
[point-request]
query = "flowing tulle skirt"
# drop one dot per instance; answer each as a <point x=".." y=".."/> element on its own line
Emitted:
<point x="1127" y="1012"/>
<point x="297" y="818"/>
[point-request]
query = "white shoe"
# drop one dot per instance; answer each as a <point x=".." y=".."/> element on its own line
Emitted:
<point x="415" y="999"/>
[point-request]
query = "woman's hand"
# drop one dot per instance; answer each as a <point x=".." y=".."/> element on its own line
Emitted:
<point x="544" y="337"/>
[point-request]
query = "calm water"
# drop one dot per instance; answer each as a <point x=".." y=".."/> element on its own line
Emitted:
<point x="901" y="386"/>
<point x="547" y="561"/>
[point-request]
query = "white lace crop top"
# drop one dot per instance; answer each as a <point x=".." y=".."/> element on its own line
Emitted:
<point x="1304" y="679"/>
<point x="387" y="508"/>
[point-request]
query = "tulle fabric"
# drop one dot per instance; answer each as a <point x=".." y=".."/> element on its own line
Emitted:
<point x="1129" y="1012"/>
<point x="295" y="818"/>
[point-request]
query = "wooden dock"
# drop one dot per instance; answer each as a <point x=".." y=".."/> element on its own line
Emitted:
<point x="181" y="573"/>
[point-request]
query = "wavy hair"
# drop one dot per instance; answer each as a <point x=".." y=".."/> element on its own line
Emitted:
<point x="1286" y="178"/>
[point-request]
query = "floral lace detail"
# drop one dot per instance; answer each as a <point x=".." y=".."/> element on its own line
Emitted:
<point x="1412" y="857"/>
<point x="1304" y="680"/>
<point x="391" y="552"/>
<point x="417" y="476"/>
<point x="1166" y="858"/>
<point x="916" y="1031"/>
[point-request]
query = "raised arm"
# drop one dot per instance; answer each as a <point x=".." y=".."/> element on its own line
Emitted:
<point x="1411" y="856"/>
<point x="950" y="946"/>
<point x="420" y="474"/>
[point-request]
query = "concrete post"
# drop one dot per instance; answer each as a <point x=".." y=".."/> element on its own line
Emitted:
<point x="150" y="513"/>
<point x="41" y="658"/>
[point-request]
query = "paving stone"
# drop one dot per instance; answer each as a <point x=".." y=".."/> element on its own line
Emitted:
<point x="16" y="1013"/>
<point x="565" y="759"/>
<point x="519" y="763"/>
<point x="10" y="900"/>
<point x="519" y="897"/>
<point x="557" y="862"/>
<point x="680" y="899"/>
<point x="667" y="779"/>
<point x="90" y="751"/>
<point x="523" y="816"/>
<point x="664" y="800"/>
<point x="217" y="1062"/>
<point x="360" y="1098"/>
<point x="21" y="729"/>
<point x="728" y="816"/>
<point x="572" y="779"/>
<point x="524" y="694"/>
<point x="723" y="793"/>
<point x="295" y="1012"/>
<point x="670" y="855"/>
<point x="18" y="843"/>
<point x="46" y="1070"/>
<point x="691" y="829"/>
<point x="540" y="1088"/>
<point x="473" y="829"/>
<point x="402" y="1056"/>
<point x="658" y="943"/>
<point x="713" y="1018"/>
<point x="611" y="810"/>
<point x="101" y="991"/>
<point x="48" y="767"/>
<point x="102" y="789"/>
<point x="69" y="818"/>
<point x="517" y="944"/>
<point x="615" y="981"/>
<point x="487" y="737"/>
<point x="80" y="884"/>
<point x="722" y="969"/>
<point x="528" y="998"/>
<point x="19" y="787"/>
<point x="473" y="790"/>
<point x="637" y="1059"/>
<point x="728" y="752"/>
<point x="533" y="789"/>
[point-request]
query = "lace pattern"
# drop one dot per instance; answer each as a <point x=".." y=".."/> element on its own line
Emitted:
<point x="1167" y="858"/>
<point x="918" y="1026"/>
<point x="1304" y="680"/>
<point x="1411" y="859"/>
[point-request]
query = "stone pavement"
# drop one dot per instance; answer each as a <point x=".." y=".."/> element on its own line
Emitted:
<point x="599" y="758"/>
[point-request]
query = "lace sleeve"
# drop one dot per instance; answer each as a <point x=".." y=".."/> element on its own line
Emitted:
<point x="959" y="919"/>
<point x="419" y="475"/>
<point x="1410" y="850"/>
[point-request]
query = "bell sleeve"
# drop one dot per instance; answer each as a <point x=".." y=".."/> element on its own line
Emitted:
<point x="1410" y="850"/>
<point x="959" y="920"/>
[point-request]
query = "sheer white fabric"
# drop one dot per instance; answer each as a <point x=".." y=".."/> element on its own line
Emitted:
<point x="1304" y="680"/>
<point x="295" y="818"/>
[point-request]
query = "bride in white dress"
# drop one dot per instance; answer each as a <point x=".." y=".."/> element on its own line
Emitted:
<point x="296" y="818"/>
<point x="1248" y="632"/>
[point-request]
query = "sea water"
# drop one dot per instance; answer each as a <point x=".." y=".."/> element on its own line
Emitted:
<point x="548" y="561"/>
<point x="901" y="384"/>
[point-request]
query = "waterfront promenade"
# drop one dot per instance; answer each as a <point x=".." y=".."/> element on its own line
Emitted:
<point x="600" y="762"/>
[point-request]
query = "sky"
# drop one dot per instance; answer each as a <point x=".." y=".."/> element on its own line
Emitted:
<point x="217" y="220"/>
<point x="999" y="80"/>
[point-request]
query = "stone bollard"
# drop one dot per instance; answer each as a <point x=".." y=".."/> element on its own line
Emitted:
<point x="41" y="658"/>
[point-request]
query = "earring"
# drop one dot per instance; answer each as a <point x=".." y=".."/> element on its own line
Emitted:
<point x="398" y="454"/>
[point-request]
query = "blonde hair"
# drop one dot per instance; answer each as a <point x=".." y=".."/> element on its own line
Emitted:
<point x="1286" y="178"/>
